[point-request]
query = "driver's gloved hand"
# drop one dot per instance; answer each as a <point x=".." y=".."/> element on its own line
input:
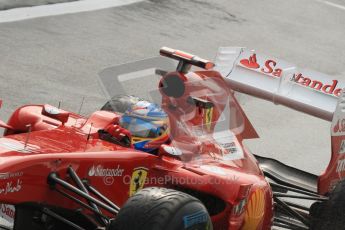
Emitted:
<point x="119" y="134"/>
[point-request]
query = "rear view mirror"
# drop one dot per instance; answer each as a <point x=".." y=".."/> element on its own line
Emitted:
<point x="170" y="151"/>
<point x="4" y="125"/>
<point x="55" y="113"/>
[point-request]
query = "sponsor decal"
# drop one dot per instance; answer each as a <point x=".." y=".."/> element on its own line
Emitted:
<point x="197" y="218"/>
<point x="137" y="180"/>
<point x="7" y="212"/>
<point x="230" y="146"/>
<point x="326" y="88"/>
<point x="108" y="174"/>
<point x="11" y="187"/>
<point x="340" y="166"/>
<point x="339" y="127"/>
<point x="9" y="175"/>
<point x="342" y="147"/>
<point x="227" y="140"/>
<point x="251" y="62"/>
<point x="255" y="210"/>
<point x="268" y="68"/>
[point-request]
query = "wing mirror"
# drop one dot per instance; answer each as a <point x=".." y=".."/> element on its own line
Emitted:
<point x="175" y="152"/>
<point x="55" y="113"/>
<point x="170" y="151"/>
<point x="4" y="125"/>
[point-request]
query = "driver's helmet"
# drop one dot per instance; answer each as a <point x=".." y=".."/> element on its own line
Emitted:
<point x="148" y="124"/>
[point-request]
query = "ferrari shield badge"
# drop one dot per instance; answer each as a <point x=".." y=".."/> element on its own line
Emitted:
<point x="137" y="180"/>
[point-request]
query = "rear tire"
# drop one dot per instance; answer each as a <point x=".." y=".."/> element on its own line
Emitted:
<point x="161" y="208"/>
<point x="330" y="214"/>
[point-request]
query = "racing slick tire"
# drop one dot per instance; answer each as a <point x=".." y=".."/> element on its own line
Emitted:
<point x="330" y="214"/>
<point x="161" y="208"/>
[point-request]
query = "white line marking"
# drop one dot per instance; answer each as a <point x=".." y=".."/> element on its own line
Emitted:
<point x="333" y="4"/>
<point x="25" y="13"/>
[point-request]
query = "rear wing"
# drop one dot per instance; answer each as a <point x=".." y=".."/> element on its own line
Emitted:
<point x="278" y="81"/>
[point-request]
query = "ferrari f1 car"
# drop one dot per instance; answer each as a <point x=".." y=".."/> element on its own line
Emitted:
<point x="172" y="157"/>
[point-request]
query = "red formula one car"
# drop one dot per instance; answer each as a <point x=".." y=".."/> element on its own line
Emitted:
<point x="172" y="156"/>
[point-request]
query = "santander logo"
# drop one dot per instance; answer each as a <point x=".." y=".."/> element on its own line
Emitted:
<point x="269" y="67"/>
<point x="339" y="126"/>
<point x="330" y="88"/>
<point x="251" y="62"/>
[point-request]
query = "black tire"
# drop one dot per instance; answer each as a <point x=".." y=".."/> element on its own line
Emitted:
<point x="330" y="214"/>
<point x="161" y="208"/>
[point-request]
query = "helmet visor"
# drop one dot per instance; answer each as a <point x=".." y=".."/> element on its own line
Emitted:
<point x="143" y="128"/>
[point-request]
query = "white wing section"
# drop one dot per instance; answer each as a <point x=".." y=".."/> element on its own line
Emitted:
<point x="278" y="81"/>
<point x="338" y="122"/>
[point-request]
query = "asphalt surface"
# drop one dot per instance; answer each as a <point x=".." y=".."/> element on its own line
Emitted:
<point x="10" y="4"/>
<point x="52" y="59"/>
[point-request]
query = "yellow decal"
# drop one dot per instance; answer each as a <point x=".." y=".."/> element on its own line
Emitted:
<point x="137" y="180"/>
<point x="208" y="118"/>
<point x="255" y="211"/>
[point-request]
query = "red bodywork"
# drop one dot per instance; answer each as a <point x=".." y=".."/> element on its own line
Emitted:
<point x="60" y="139"/>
